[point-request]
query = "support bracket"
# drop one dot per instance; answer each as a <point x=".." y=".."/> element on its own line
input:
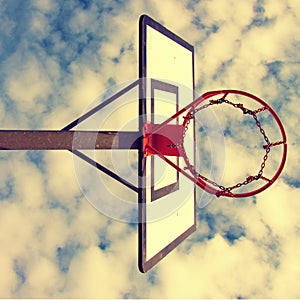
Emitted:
<point x="167" y="139"/>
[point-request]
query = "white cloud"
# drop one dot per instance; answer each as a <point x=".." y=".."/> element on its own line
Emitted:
<point x="119" y="51"/>
<point x="86" y="86"/>
<point x="179" y="12"/>
<point x="285" y="280"/>
<point x="29" y="84"/>
<point x="8" y="275"/>
<point x="213" y="270"/>
<point x="230" y="12"/>
<point x="43" y="277"/>
<point x="278" y="206"/>
<point x="294" y="6"/>
<point x="40" y="25"/>
<point x="90" y="270"/>
<point x="59" y="166"/>
<point x="46" y="6"/>
<point x="81" y="21"/>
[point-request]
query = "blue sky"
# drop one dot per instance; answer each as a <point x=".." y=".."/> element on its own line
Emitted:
<point x="55" y="58"/>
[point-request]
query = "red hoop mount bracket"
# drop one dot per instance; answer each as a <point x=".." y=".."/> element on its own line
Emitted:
<point x="168" y="140"/>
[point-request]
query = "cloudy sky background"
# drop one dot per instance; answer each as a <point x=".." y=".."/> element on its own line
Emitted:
<point x="57" y="56"/>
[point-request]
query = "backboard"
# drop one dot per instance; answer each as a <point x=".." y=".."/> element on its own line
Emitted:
<point x="166" y="198"/>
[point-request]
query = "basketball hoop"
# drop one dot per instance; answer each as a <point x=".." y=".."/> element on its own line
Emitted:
<point x="200" y="180"/>
<point x="136" y="124"/>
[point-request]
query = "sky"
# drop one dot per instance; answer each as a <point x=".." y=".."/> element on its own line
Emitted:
<point x="56" y="57"/>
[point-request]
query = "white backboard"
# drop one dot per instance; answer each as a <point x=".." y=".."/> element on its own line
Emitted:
<point x="166" y="198"/>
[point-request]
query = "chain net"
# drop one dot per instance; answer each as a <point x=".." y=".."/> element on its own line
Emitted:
<point x="227" y="191"/>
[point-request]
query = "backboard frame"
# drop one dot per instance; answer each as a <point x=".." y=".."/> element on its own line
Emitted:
<point x="163" y="86"/>
<point x="145" y="263"/>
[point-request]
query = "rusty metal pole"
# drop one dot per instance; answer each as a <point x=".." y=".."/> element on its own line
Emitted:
<point x="67" y="140"/>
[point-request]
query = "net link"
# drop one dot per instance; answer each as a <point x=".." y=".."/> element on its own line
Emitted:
<point x="223" y="191"/>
